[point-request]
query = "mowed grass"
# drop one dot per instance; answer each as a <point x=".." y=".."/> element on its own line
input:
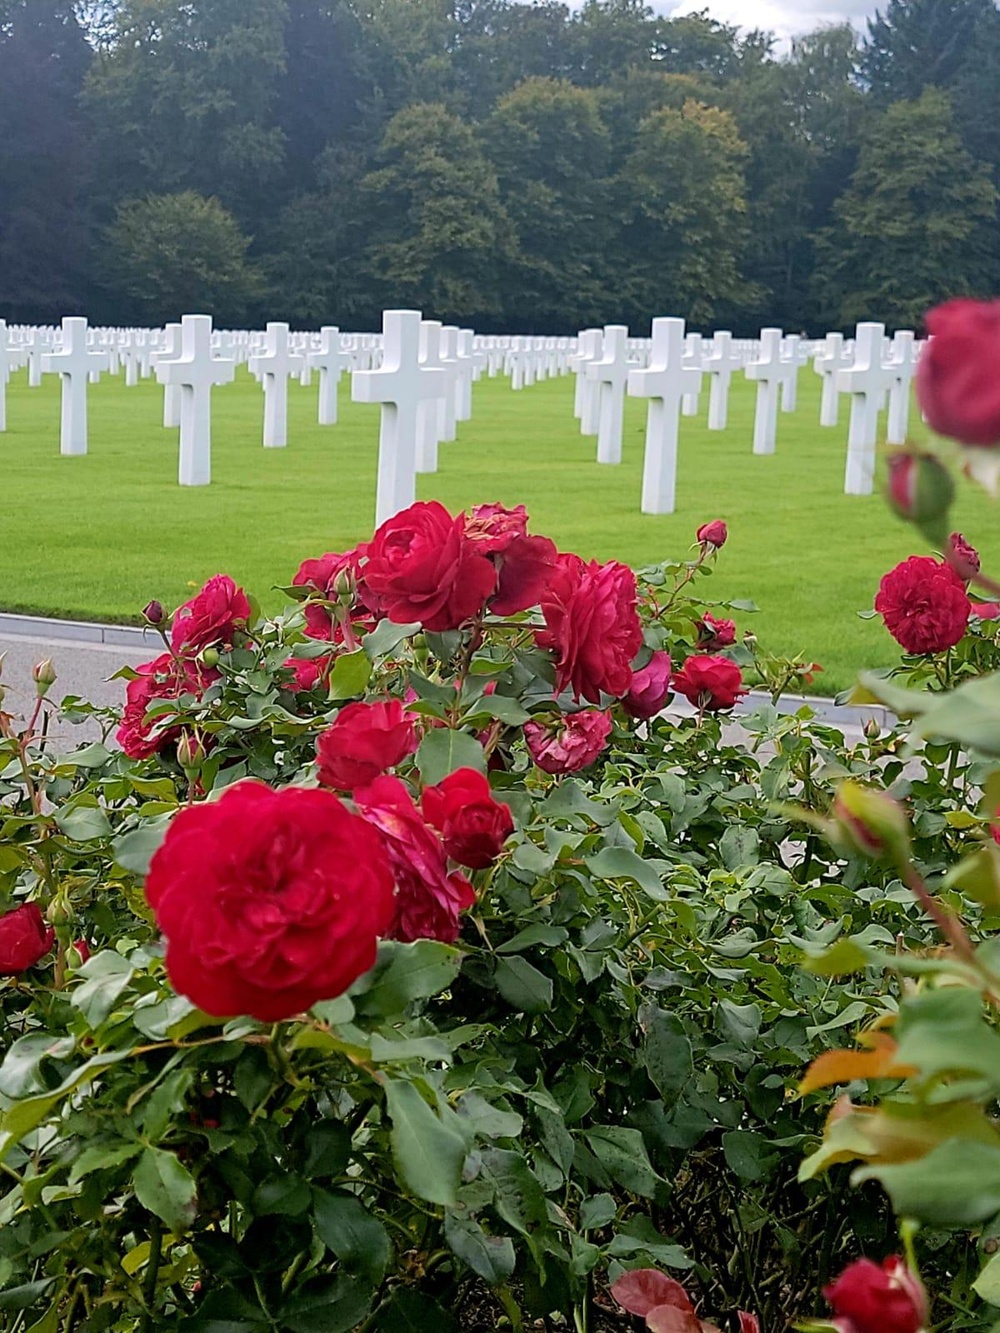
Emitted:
<point x="97" y="537"/>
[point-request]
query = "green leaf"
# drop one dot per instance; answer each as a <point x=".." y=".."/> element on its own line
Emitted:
<point x="166" y="1187"/>
<point x="523" y="986"/>
<point x="25" y="1295"/>
<point x="739" y="1023"/>
<point x="748" y="1154"/>
<point x="83" y="823"/>
<point x="410" y="1311"/>
<point x="957" y="1184"/>
<point x="134" y="851"/>
<point x="24" y="1116"/>
<point x="668" y="1056"/>
<point x="358" y="1239"/>
<point x="337" y="1306"/>
<point x="490" y="1257"/>
<point x="623" y="863"/>
<point x="106" y="978"/>
<point x="350" y="675"/>
<point x="443" y="751"/>
<point x="598" y="1211"/>
<point x="517" y="1195"/>
<point x="102" y="1159"/>
<point x="504" y="709"/>
<point x="739" y="847"/>
<point x="404" y="973"/>
<point x="385" y="637"/>
<point x="987" y="1284"/>
<point x="842" y="959"/>
<point x="622" y="1153"/>
<point x="282" y="1196"/>
<point x="428" y="1153"/>
<point x="944" y="1032"/>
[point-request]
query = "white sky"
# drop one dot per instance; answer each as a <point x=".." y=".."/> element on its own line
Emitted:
<point x="787" y="18"/>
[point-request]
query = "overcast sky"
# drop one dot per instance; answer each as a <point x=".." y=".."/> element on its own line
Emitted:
<point x="785" y="17"/>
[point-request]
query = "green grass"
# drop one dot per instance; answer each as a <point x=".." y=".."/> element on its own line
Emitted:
<point x="97" y="537"/>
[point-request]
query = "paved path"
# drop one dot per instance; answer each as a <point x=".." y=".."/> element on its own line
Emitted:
<point x="85" y="655"/>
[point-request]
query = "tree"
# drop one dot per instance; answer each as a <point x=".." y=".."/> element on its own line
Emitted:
<point x="915" y="44"/>
<point x="683" y="188"/>
<point x="917" y="224"/>
<point x="177" y="254"/>
<point x="550" y="149"/>
<point x="437" y="230"/>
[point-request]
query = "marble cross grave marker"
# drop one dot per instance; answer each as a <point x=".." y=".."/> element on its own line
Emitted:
<point x="74" y="362"/>
<point x="331" y="362"/>
<point x="828" y="363"/>
<point x="430" y="411"/>
<point x="867" y="382"/>
<point x="770" y="372"/>
<point x="665" y="382"/>
<point x="276" y="364"/>
<point x="399" y="386"/>
<point x="720" y="365"/>
<point x="611" y="374"/>
<point x="902" y="363"/>
<point x="194" y="373"/>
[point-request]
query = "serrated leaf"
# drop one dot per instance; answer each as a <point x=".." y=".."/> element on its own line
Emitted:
<point x="404" y="973"/>
<point x="83" y="823"/>
<point x="444" y="751"/>
<point x="166" y="1188"/>
<point x="134" y="851"/>
<point x="350" y="675"/>
<point x="490" y="1257"/>
<point x="353" y="1234"/>
<point x="428" y="1153"/>
<point x="523" y="986"/>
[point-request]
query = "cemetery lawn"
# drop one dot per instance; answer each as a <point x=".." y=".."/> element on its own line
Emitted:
<point x="97" y="537"/>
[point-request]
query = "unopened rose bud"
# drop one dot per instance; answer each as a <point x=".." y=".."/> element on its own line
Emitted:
<point x="153" y="613"/>
<point x="714" y="534"/>
<point x="921" y="491"/>
<point x="963" y="557"/>
<point x="77" y="953"/>
<point x="869" y="822"/>
<point x="59" y="912"/>
<point x="872" y="729"/>
<point x="344" y="587"/>
<point x="209" y="657"/>
<point x="44" y="675"/>
<point x="190" y="752"/>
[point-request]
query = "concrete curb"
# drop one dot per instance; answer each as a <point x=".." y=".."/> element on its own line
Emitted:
<point x="91" y="634"/>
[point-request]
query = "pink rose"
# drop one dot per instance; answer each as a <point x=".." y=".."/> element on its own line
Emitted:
<point x="650" y="688"/>
<point x="571" y="743"/>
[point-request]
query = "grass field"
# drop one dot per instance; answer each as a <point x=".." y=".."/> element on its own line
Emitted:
<point x="97" y="537"/>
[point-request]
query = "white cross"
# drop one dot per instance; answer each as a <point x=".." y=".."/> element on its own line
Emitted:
<point x="331" y="363"/>
<point x="430" y="411"/>
<point x="170" y="351"/>
<point x="400" y="385"/>
<point x="34" y="350"/>
<point x="829" y="362"/>
<point x="467" y="361"/>
<point x="275" y="364"/>
<point x="74" y="363"/>
<point x="9" y="360"/>
<point x="450" y="363"/>
<point x="867" y="381"/>
<point x="611" y="374"/>
<point x="693" y="360"/>
<point x="195" y="372"/>
<point x="586" y="396"/>
<point x="903" y="363"/>
<point x="796" y="354"/>
<point x="770" y="372"/>
<point x="666" y="383"/>
<point x="720" y="364"/>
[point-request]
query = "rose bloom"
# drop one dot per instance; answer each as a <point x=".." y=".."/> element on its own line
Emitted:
<point x="269" y="900"/>
<point x="308" y="672"/>
<point x="714" y="634"/>
<point x="924" y="605"/>
<point x="494" y="527"/>
<point x="163" y="678"/>
<point x="592" y="626"/>
<point x="713" y="534"/>
<point x="211" y="618"/>
<point x="650" y="688"/>
<point x="363" y="741"/>
<point x="422" y="568"/>
<point x="429" y="900"/>
<point x="572" y="743"/>
<point x="712" y="683"/>
<point x="473" y="825"/>
<point x="958" y="387"/>
<point x="873" y="1298"/>
<point x="963" y="557"/>
<point x="321" y="576"/>
<point x="24" y="939"/>
<point x="524" y="564"/>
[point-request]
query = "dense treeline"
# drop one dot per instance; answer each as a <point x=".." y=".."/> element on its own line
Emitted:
<point x="514" y="165"/>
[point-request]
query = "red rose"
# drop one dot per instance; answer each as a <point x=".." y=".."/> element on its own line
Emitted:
<point x="958" y="387"/>
<point x="713" y="534"/>
<point x="924" y="605"/>
<point x="24" y="939"/>
<point x="422" y="568"/>
<point x="473" y="825"/>
<point x="163" y="678"/>
<point x="494" y="527"/>
<point x="308" y="672"/>
<point x="592" y="626"/>
<point x="269" y="900"/>
<point x="572" y="743"/>
<point x="963" y="557"/>
<point x="363" y="741"/>
<point x="650" y="688"/>
<point x="869" y="1298"/>
<point x="212" y="618"/>
<point x="333" y="575"/>
<point x="715" y="634"/>
<point x="429" y="901"/>
<point x="525" y="570"/>
<point x="712" y="683"/>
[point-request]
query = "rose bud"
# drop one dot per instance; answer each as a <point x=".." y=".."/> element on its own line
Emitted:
<point x="650" y="688"/>
<point x="872" y="730"/>
<point x="873" y="1298"/>
<point x="715" y="634"/>
<point x="714" y="534"/>
<point x="190" y="752"/>
<point x="710" y="683"/>
<point x="44" y="675"/>
<point x="153" y="613"/>
<point x="957" y="383"/>
<point x="78" y="953"/>
<point x="921" y="491"/>
<point x="24" y="939"/>
<point x="345" y="586"/>
<point x="963" y="557"/>
<point x="870" y="823"/>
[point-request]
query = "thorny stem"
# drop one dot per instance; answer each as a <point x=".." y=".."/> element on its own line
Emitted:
<point x="948" y="924"/>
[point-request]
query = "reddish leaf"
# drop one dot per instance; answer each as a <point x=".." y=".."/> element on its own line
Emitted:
<point x="749" y="1323"/>
<point x="646" y="1289"/>
<point x="669" y="1319"/>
